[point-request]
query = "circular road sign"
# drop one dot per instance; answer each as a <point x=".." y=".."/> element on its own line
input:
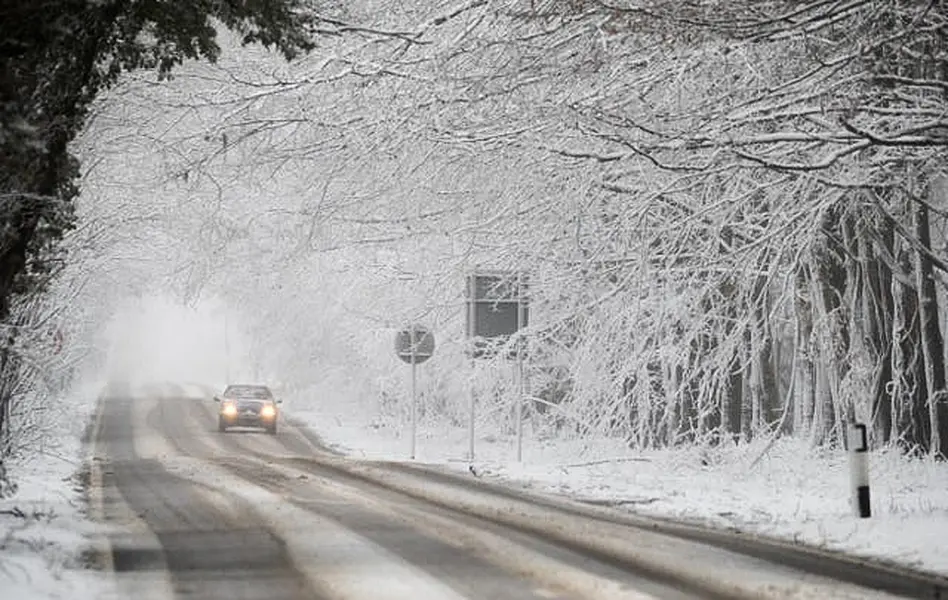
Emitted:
<point x="414" y="342"/>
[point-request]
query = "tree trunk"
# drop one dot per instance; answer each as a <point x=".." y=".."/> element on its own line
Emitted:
<point x="877" y="311"/>
<point x="828" y="289"/>
<point x="732" y="400"/>
<point x="804" y="372"/>
<point x="768" y="374"/>
<point x="750" y="393"/>
<point x="827" y="375"/>
<point x="932" y="349"/>
<point x="908" y="372"/>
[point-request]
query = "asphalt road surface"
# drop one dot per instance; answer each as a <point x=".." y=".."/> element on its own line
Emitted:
<point x="195" y="514"/>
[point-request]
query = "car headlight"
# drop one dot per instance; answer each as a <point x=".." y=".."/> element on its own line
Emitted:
<point x="229" y="409"/>
<point x="268" y="411"/>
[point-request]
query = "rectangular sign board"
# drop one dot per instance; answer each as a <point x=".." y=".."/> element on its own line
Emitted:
<point x="497" y="307"/>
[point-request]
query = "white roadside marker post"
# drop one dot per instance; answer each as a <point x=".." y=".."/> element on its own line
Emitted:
<point x="858" y="444"/>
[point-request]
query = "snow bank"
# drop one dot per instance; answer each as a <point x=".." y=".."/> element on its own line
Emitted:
<point x="44" y="532"/>
<point x="790" y="492"/>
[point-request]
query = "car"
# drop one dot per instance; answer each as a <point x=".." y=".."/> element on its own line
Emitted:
<point x="246" y="405"/>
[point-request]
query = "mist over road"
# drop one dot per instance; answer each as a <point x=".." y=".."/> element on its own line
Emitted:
<point x="193" y="513"/>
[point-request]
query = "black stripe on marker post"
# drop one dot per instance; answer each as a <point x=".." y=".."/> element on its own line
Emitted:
<point x="864" y="507"/>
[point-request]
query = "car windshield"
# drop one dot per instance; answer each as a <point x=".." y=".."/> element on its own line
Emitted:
<point x="260" y="392"/>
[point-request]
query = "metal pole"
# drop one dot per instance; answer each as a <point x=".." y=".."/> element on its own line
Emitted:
<point x="525" y="377"/>
<point x="414" y="396"/>
<point x="519" y="409"/>
<point x="519" y="406"/>
<point x="471" y="316"/>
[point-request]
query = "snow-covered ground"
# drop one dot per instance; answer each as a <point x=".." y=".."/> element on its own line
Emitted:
<point x="787" y="491"/>
<point x="44" y="528"/>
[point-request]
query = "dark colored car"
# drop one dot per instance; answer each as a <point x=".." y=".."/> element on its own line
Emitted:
<point x="247" y="406"/>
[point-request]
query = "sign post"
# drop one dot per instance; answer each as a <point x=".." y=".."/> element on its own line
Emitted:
<point x="414" y="345"/>
<point x="520" y="371"/>
<point x="471" y="318"/>
<point x="497" y="309"/>
<point x="414" y="403"/>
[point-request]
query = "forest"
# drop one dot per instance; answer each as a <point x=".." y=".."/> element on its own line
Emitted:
<point x="733" y="215"/>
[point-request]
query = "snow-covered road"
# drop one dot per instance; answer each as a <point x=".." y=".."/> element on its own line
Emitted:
<point x="192" y="513"/>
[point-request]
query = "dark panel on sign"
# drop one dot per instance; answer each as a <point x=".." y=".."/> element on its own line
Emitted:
<point x="496" y="319"/>
<point x="493" y="301"/>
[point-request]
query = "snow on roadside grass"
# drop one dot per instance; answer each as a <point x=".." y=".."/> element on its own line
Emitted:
<point x="44" y="531"/>
<point x="791" y="492"/>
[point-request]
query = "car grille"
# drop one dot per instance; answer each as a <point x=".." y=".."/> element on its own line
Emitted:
<point x="251" y="405"/>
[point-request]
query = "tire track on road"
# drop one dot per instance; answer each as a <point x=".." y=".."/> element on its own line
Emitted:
<point x="207" y="552"/>
<point x="662" y="581"/>
<point x="745" y="581"/>
<point x="470" y="574"/>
